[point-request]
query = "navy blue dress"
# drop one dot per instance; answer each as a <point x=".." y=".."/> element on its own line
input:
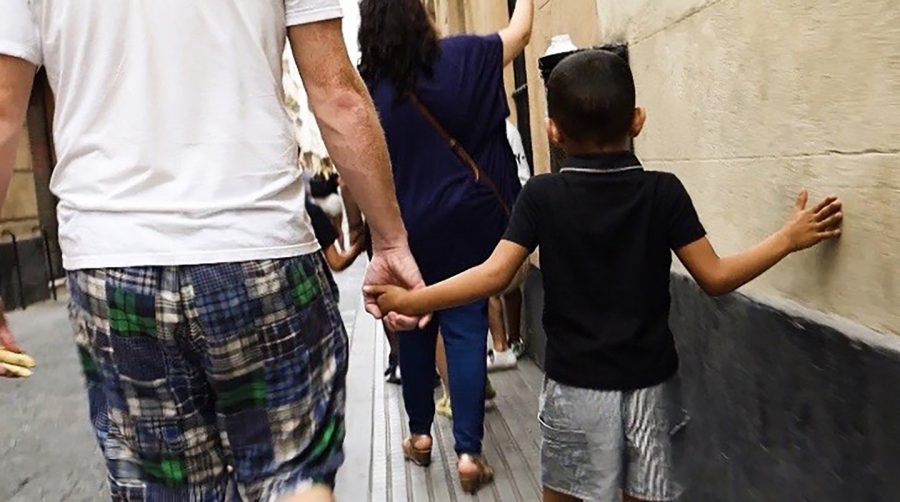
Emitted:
<point x="453" y="222"/>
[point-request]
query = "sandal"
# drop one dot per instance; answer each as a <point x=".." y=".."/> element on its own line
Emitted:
<point x="420" y="457"/>
<point x="473" y="482"/>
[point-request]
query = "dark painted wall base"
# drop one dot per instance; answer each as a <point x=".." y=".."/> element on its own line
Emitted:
<point x="786" y="404"/>
<point x="33" y="267"/>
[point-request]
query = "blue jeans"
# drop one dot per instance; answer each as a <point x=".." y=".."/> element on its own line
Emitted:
<point x="465" y="339"/>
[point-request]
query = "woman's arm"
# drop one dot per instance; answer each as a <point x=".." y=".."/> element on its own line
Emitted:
<point x="485" y="280"/>
<point x="805" y="228"/>
<point x="338" y="261"/>
<point x="516" y="36"/>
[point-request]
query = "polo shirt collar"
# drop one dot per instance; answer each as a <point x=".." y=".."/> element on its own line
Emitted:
<point x="607" y="162"/>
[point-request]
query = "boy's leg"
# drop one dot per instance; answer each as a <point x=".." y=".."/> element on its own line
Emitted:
<point x="654" y="420"/>
<point x="582" y="442"/>
<point x="317" y="493"/>
<point x="554" y="496"/>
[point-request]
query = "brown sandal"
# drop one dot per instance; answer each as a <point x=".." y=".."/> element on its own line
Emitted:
<point x="472" y="483"/>
<point x="420" y="457"/>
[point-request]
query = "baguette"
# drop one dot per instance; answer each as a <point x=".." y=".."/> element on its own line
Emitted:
<point x="18" y="371"/>
<point x="16" y="359"/>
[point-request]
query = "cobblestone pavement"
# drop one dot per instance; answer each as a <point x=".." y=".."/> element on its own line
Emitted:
<point x="47" y="448"/>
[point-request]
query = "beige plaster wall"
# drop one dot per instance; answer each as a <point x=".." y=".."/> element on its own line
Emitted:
<point x="750" y="101"/>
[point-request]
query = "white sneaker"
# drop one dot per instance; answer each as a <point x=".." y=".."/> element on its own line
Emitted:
<point x="497" y="360"/>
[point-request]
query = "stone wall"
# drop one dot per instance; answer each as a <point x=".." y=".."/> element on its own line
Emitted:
<point x="749" y="102"/>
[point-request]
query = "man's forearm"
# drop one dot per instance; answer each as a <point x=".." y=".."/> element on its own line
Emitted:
<point x="349" y="126"/>
<point x="16" y="77"/>
<point x="355" y="141"/>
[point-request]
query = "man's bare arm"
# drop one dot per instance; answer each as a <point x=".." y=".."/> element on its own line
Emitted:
<point x="349" y="125"/>
<point x="355" y="141"/>
<point x="16" y="78"/>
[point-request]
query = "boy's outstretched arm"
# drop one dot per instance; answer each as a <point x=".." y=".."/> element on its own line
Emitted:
<point x="804" y="229"/>
<point x="485" y="280"/>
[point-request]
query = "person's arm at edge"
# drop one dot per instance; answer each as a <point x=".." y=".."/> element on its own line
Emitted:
<point x="804" y="228"/>
<point x="354" y="138"/>
<point x="16" y="79"/>
<point x="516" y="36"/>
<point x="338" y="261"/>
<point x="479" y="282"/>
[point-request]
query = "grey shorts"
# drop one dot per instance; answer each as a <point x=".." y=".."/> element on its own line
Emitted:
<point x="597" y="444"/>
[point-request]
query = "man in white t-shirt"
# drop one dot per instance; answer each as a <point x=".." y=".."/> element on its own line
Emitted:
<point x="207" y="326"/>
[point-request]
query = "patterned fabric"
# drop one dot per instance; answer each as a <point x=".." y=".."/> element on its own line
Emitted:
<point x="213" y="382"/>
<point x="597" y="444"/>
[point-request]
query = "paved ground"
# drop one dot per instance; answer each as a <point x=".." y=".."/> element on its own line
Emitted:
<point x="375" y="470"/>
<point x="47" y="450"/>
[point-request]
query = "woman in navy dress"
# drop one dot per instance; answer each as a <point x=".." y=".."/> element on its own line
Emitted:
<point x="454" y="221"/>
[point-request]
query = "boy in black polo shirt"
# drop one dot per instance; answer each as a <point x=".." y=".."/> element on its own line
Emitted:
<point x="606" y="228"/>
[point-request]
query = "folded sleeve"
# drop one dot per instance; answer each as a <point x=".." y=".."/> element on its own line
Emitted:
<point x="310" y="11"/>
<point x="523" y="224"/>
<point x="481" y="86"/>
<point x="18" y="31"/>
<point x="684" y="225"/>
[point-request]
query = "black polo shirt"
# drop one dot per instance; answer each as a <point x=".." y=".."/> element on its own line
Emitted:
<point x="606" y="228"/>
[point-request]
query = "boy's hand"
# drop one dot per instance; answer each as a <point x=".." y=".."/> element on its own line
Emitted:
<point x="807" y="227"/>
<point x="392" y="299"/>
<point x="393" y="266"/>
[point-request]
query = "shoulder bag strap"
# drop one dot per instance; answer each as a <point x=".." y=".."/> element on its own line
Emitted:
<point x="460" y="151"/>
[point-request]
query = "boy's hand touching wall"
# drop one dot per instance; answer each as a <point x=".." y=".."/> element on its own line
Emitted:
<point x="807" y="227"/>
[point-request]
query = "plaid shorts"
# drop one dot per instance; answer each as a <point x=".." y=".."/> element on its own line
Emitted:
<point x="213" y="382"/>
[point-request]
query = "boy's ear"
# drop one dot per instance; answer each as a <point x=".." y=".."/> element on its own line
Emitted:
<point x="637" y="122"/>
<point x="554" y="134"/>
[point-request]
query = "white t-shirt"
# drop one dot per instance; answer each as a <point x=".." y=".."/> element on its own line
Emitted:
<point x="518" y="149"/>
<point x="173" y="144"/>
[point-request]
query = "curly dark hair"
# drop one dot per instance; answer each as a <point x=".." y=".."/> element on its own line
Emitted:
<point x="397" y="40"/>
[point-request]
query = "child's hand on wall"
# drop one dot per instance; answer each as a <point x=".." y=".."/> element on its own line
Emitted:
<point x="807" y="227"/>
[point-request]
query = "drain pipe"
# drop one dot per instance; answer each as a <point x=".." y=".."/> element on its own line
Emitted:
<point x="15" y="243"/>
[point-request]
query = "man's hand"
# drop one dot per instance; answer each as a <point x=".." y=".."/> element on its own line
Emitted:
<point x="393" y="266"/>
<point x="807" y="227"/>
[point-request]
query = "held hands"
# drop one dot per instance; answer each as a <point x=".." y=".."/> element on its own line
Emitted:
<point x="392" y="299"/>
<point x="807" y="227"/>
<point x="392" y="266"/>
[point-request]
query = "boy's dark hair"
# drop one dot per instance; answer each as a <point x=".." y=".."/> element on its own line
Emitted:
<point x="590" y="96"/>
